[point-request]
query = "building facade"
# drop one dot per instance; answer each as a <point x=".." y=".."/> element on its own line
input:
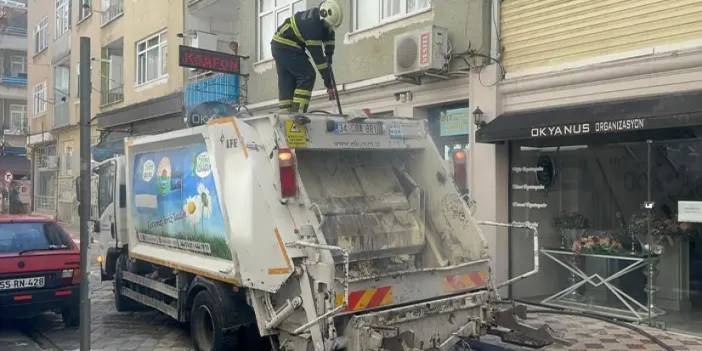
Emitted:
<point x="135" y="84"/>
<point x="13" y="100"/>
<point x="595" y="122"/>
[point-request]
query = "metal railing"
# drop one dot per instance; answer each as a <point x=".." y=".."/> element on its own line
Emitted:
<point x="114" y="10"/>
<point x="112" y="96"/>
<point x="45" y="202"/>
<point x="22" y="4"/>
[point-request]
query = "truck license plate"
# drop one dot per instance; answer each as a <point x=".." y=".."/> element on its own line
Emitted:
<point x="359" y="128"/>
<point x="22" y="283"/>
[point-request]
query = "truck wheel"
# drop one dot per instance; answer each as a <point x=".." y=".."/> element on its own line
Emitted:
<point x="71" y="317"/>
<point x="122" y="303"/>
<point x="206" y="325"/>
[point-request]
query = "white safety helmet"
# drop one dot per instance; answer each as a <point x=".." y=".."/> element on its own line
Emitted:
<point x="331" y="13"/>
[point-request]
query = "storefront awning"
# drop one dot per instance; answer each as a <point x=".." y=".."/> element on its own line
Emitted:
<point x="661" y="117"/>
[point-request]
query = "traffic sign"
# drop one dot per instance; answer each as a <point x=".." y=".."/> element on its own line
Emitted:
<point x="7" y="177"/>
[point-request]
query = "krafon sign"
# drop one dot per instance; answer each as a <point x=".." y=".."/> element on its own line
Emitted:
<point x="208" y="60"/>
<point x="587" y="128"/>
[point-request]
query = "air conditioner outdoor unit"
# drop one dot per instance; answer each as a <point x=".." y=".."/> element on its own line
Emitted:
<point x="204" y="40"/>
<point x="421" y="51"/>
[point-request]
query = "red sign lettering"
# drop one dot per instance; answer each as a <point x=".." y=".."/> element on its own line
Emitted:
<point x="209" y="60"/>
<point x="424" y="49"/>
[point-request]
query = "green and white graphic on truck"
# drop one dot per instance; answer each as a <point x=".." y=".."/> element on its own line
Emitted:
<point x="175" y="201"/>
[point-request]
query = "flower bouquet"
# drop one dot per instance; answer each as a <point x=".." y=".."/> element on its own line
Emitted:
<point x="595" y="244"/>
<point x="663" y="230"/>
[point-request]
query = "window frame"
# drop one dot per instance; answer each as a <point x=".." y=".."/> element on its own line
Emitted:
<point x="22" y="111"/>
<point x="382" y="18"/>
<point x="22" y="61"/>
<point x="63" y="17"/>
<point x="83" y="11"/>
<point x="274" y="11"/>
<point x="41" y="35"/>
<point x="39" y="99"/>
<point x="162" y="58"/>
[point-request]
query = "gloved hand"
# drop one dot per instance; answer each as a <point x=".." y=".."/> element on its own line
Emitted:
<point x="332" y="93"/>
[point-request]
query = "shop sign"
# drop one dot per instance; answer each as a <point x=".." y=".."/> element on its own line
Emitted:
<point x="208" y="60"/>
<point x="586" y="128"/>
<point x="454" y="122"/>
<point x="690" y="211"/>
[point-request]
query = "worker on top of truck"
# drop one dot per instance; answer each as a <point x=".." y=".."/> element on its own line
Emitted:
<point x="311" y="31"/>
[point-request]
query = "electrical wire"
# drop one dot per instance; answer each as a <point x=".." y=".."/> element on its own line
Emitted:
<point x="629" y="326"/>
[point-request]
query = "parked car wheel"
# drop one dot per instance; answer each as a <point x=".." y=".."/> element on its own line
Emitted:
<point x="206" y="322"/>
<point x="122" y="303"/>
<point x="71" y="316"/>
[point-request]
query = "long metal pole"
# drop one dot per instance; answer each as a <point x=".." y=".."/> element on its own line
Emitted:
<point x="84" y="210"/>
<point x="649" y="240"/>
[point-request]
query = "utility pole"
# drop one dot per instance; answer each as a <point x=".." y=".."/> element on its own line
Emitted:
<point x="84" y="209"/>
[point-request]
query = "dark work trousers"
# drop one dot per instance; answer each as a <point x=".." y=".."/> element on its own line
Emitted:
<point x="296" y="77"/>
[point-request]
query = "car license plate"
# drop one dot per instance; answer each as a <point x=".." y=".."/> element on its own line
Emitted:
<point x="22" y="283"/>
<point x="359" y="128"/>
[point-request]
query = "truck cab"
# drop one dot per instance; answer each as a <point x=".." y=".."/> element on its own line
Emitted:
<point x="109" y="216"/>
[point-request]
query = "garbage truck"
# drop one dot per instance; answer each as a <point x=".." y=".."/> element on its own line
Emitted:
<point x="297" y="232"/>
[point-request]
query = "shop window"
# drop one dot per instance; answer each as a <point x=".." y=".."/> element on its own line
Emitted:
<point x="271" y="14"/>
<point x="599" y="206"/>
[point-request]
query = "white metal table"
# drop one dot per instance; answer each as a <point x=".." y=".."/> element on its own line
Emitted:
<point x="633" y="311"/>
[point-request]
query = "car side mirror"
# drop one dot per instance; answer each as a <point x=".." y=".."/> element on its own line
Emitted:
<point x="96" y="226"/>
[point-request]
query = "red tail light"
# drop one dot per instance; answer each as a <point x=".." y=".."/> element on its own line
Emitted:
<point x="76" y="276"/>
<point x="460" y="176"/>
<point x="286" y="163"/>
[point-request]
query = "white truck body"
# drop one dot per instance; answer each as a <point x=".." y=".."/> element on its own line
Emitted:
<point x="374" y="250"/>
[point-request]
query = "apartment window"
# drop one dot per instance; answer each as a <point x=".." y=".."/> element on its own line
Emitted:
<point x="40" y="98"/>
<point x="369" y="13"/>
<point x="111" y="83"/>
<point x="63" y="18"/>
<point x="41" y="35"/>
<point x="111" y="9"/>
<point x="85" y="9"/>
<point x="152" y="58"/>
<point x="62" y="75"/>
<point x="17" y="65"/>
<point x="271" y="14"/>
<point x="18" y="118"/>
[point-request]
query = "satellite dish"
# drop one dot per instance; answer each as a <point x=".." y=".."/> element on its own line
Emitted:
<point x="204" y="112"/>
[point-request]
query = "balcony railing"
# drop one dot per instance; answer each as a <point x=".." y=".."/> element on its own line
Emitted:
<point x="45" y="202"/>
<point x="112" y="96"/>
<point x="114" y="10"/>
<point x="61" y="115"/>
<point x="20" y="4"/>
<point x="15" y="81"/>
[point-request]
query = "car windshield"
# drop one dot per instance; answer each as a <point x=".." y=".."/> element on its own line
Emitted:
<point x="19" y="237"/>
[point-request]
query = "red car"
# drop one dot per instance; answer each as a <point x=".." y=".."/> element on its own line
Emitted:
<point x="39" y="269"/>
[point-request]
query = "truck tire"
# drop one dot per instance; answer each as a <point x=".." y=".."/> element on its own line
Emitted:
<point x="122" y="303"/>
<point x="206" y="322"/>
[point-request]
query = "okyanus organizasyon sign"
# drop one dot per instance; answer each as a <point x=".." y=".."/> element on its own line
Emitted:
<point x="586" y="128"/>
